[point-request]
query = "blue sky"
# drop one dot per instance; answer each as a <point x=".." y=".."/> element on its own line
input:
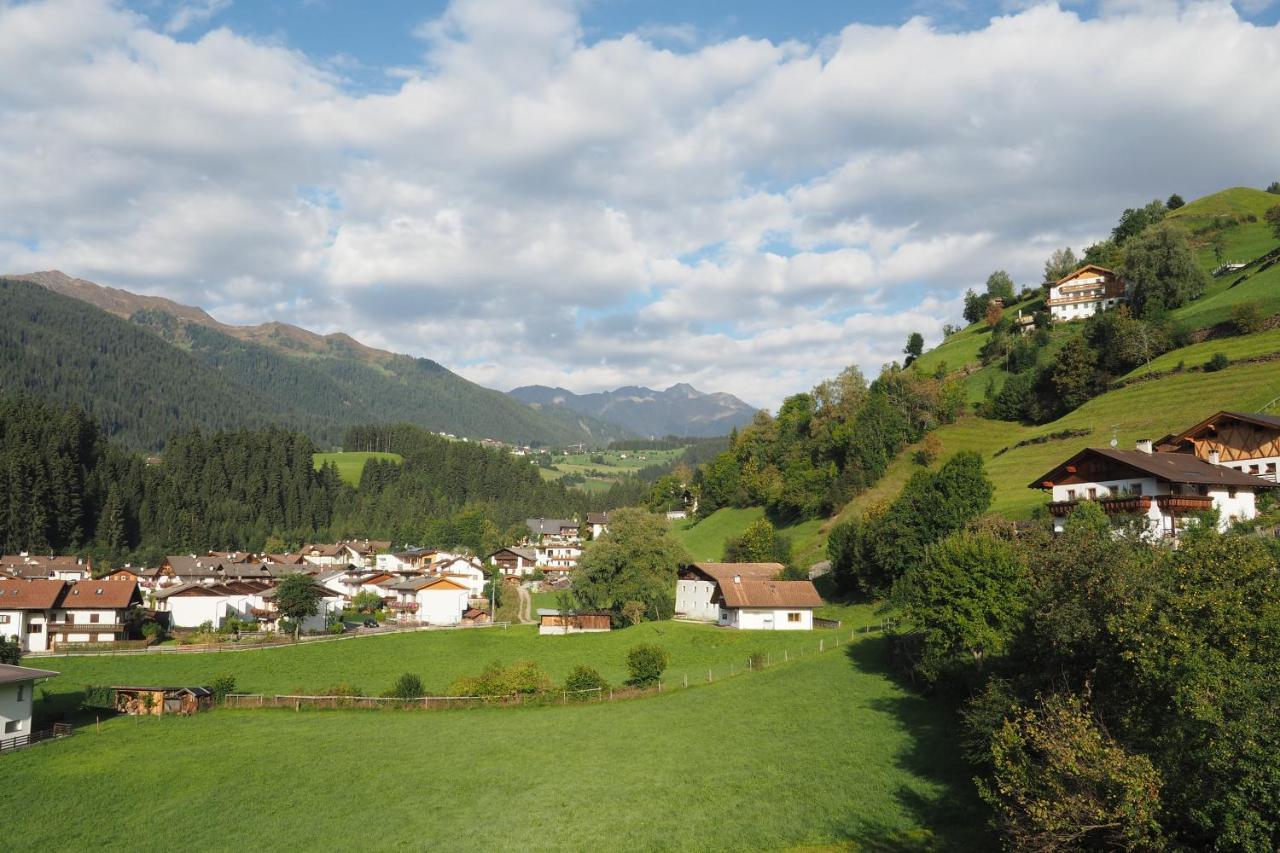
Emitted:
<point x="744" y="196"/>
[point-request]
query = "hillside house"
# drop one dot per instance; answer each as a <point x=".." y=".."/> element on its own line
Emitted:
<point x="597" y="524"/>
<point x="408" y="560"/>
<point x="696" y="586"/>
<point x="766" y="605"/>
<point x="43" y="613"/>
<point x="191" y="605"/>
<point x="561" y="622"/>
<point x="515" y="561"/>
<point x="1165" y="489"/>
<point x="1085" y="292"/>
<point x="363" y="552"/>
<point x="431" y="600"/>
<point x="17" y="686"/>
<point x="558" y="557"/>
<point x="1249" y="443"/>
<point x="553" y="529"/>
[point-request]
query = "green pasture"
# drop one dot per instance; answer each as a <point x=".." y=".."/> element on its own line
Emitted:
<point x="351" y="465"/>
<point x="825" y="751"/>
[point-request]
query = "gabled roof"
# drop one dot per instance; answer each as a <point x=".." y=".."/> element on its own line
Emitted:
<point x="549" y="526"/>
<point x="1267" y="421"/>
<point x="10" y="674"/>
<point x="597" y="518"/>
<point x="526" y="553"/>
<point x="80" y="595"/>
<point x="419" y="584"/>
<point x="31" y="594"/>
<point x="749" y="593"/>
<point x="1170" y="467"/>
<point x="722" y="572"/>
<point x="1093" y="267"/>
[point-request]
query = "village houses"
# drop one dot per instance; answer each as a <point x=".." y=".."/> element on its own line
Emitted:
<point x="1221" y="464"/>
<point x="42" y="614"/>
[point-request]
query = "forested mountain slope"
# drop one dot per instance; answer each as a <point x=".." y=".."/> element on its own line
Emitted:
<point x="100" y="349"/>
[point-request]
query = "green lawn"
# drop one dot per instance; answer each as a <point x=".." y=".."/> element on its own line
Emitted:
<point x="373" y="663"/>
<point x="351" y="465"/>
<point x="827" y="750"/>
<point x="705" y="538"/>
<point x="1243" y="347"/>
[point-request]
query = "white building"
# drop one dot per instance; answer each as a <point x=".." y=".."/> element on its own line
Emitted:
<point x="25" y="565"/>
<point x="17" y="684"/>
<point x="1085" y="292"/>
<point x="515" y="561"/>
<point x="1165" y="490"/>
<point x="766" y="605"/>
<point x="467" y="571"/>
<point x="696" y="586"/>
<point x="40" y="614"/>
<point x="597" y="524"/>
<point x="433" y="600"/>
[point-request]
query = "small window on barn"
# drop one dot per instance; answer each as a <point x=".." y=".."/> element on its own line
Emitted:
<point x="793" y="617"/>
<point x="12" y="726"/>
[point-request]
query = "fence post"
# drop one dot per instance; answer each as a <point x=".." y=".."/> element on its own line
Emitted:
<point x="708" y="676"/>
<point x="659" y="685"/>
<point x="821" y="645"/>
<point x="785" y="656"/>
<point x="686" y="679"/>
<point x="768" y="658"/>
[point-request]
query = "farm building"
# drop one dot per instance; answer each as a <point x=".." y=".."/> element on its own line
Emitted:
<point x="766" y="605"/>
<point x="696" y="586"/>
<point x="141" y="701"/>
<point x="573" y="621"/>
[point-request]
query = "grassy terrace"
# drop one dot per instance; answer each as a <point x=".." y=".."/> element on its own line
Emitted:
<point x="351" y="465"/>
<point x="373" y="663"/>
<point x="827" y="750"/>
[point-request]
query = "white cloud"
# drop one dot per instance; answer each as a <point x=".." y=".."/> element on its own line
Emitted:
<point x="528" y="207"/>
<point x="189" y="14"/>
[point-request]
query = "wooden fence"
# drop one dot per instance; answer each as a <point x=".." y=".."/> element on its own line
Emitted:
<point x="59" y="730"/>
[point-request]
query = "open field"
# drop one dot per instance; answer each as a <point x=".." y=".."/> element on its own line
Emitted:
<point x="1243" y="347"/>
<point x="351" y="465"/>
<point x="437" y="657"/>
<point x="827" y="750"/>
<point x="705" y="538"/>
<point x="603" y="468"/>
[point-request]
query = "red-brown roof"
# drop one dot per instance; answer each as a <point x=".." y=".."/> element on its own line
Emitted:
<point x="99" y="593"/>
<point x="748" y="593"/>
<point x="722" y="572"/>
<point x="1170" y="467"/>
<point x="31" y="594"/>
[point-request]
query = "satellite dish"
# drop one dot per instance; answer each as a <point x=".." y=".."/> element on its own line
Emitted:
<point x="1114" y="442"/>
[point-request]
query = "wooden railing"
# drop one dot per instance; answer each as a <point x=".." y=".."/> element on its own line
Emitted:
<point x="59" y="730"/>
<point x="1184" y="503"/>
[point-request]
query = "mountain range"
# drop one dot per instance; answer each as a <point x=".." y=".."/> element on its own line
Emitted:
<point x="679" y="410"/>
<point x="147" y="367"/>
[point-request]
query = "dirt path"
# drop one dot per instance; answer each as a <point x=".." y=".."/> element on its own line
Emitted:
<point x="525" y="613"/>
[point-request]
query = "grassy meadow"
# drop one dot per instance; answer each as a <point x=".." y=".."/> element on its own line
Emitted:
<point x="350" y="465"/>
<point x="825" y="751"/>
<point x="373" y="663"/>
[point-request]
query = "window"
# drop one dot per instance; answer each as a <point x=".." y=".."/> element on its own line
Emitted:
<point x="4" y="618"/>
<point x="793" y="617"/>
<point x="12" y="726"/>
<point x="1231" y="491"/>
<point x="1093" y="494"/>
<point x="93" y="617"/>
<point x="35" y="629"/>
<point x="21" y="689"/>
<point x="1136" y="488"/>
<point x="1071" y="494"/>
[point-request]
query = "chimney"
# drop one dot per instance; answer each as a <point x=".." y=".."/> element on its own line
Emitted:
<point x="737" y="578"/>
<point x="1215" y="458"/>
<point x="1144" y="445"/>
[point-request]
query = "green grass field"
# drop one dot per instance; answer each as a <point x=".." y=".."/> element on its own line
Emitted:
<point x="612" y="466"/>
<point x="1243" y="347"/>
<point x="373" y="663"/>
<point x="351" y="465"/>
<point x="827" y="750"/>
<point x="704" y="539"/>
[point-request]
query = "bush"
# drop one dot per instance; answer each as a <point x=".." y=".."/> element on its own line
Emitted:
<point x="646" y="663"/>
<point x="757" y="659"/>
<point x="1248" y="318"/>
<point x="366" y="601"/>
<point x="1218" y="362"/>
<point x="10" y="652"/>
<point x="221" y="685"/>
<point x="152" y="632"/>
<point x="96" y="696"/>
<point x="407" y="686"/>
<point x="342" y="689"/>
<point x="523" y="678"/>
<point x="582" y="680"/>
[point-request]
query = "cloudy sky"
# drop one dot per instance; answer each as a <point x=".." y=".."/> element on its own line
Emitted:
<point x="745" y="196"/>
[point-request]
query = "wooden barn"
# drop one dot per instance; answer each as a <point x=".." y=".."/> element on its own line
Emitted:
<point x="142" y="701"/>
<point x="573" y="621"/>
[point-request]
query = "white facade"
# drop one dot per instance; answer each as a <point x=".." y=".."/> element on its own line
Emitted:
<point x="28" y="626"/>
<point x="441" y="605"/>
<point x="767" y="619"/>
<point x="1233" y="504"/>
<point x="1084" y="293"/>
<point x="693" y="600"/>
<point x="17" y="689"/>
<point x="463" y="571"/>
<point x="62" y="622"/>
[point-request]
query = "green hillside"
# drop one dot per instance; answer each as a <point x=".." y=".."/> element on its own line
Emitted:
<point x="350" y="464"/>
<point x="156" y="374"/>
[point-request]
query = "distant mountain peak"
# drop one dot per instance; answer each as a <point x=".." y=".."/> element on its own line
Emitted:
<point x="679" y="410"/>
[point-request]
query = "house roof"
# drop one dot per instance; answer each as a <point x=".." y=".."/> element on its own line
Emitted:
<point x="1075" y="272"/>
<point x="1170" y="467"/>
<point x="542" y="526"/>
<point x="748" y="593"/>
<point x="549" y="611"/>
<point x="1267" y="421"/>
<point x="10" y="674"/>
<point x="194" y="691"/>
<point x="21" y="594"/>
<point x="597" y="518"/>
<point x="747" y="571"/>
<point x="85" y="594"/>
<point x="25" y="566"/>
<point x="526" y="553"/>
<point x="419" y="584"/>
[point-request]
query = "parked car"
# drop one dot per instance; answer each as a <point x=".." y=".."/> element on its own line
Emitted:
<point x="371" y="623"/>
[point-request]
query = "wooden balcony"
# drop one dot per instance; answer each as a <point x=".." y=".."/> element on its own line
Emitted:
<point x="1139" y="504"/>
<point x="85" y="627"/>
<point x="1184" y="503"/>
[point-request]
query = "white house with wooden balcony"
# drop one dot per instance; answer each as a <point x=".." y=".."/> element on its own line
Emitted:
<point x="1085" y="292"/>
<point x="1166" y="489"/>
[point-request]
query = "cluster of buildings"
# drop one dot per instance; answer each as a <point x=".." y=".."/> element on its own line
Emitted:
<point x="551" y="547"/>
<point x="1221" y="464"/>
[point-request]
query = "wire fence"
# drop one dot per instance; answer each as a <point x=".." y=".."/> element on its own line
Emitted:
<point x="671" y="682"/>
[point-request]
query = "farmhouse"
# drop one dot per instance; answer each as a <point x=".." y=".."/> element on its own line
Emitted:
<point x="1085" y="292"/>
<point x="767" y="605"/>
<point x="515" y="561"/>
<point x="696" y="586"/>
<point x="1248" y="443"/>
<point x="17" y="683"/>
<point x="157" y="701"/>
<point x="43" y="613"/>
<point x="553" y="529"/>
<point x="597" y="524"/>
<point x="573" y="621"/>
<point x="1163" y="489"/>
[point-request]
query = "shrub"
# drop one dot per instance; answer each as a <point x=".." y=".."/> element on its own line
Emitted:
<point x="10" y="652"/>
<point x="1218" y="362"/>
<point x="1248" y="318"/>
<point x="366" y="601"/>
<point x="96" y="696"/>
<point x="342" y="689"/>
<point x="221" y="685"/>
<point x="523" y="678"/>
<point x="757" y="659"/>
<point x="407" y="686"/>
<point x="152" y="632"/>
<point x="646" y="663"/>
<point x="336" y="627"/>
<point x="583" y="679"/>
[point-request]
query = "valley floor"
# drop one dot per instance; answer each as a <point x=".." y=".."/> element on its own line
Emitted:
<point x="826" y="750"/>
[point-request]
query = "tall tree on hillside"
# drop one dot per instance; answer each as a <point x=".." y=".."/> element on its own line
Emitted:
<point x="636" y="560"/>
<point x="1060" y="264"/>
<point x="1136" y="220"/>
<point x="1274" y="187"/>
<point x="1000" y="286"/>
<point x="1174" y="202"/>
<point x="975" y="305"/>
<point x="1161" y="269"/>
<point x="1272" y="216"/>
<point x="914" y="348"/>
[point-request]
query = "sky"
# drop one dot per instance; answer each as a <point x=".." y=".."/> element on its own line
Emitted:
<point x="744" y="196"/>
